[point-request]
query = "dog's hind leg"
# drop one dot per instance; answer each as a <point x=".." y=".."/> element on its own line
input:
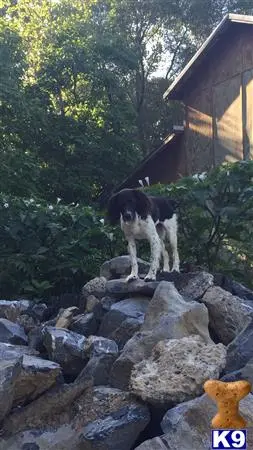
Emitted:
<point x="161" y="230"/>
<point x="133" y="258"/>
<point x="171" y="230"/>
<point x="166" y="259"/>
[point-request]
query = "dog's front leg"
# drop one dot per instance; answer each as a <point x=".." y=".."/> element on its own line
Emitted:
<point x="133" y="257"/>
<point x="155" y="249"/>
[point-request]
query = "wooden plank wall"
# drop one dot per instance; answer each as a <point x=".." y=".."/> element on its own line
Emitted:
<point x="219" y="104"/>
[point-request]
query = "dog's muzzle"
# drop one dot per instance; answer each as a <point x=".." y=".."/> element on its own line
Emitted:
<point x="128" y="216"/>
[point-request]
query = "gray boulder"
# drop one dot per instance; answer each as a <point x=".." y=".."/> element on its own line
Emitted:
<point x="12" y="309"/>
<point x="12" y="333"/>
<point x="124" y="319"/>
<point x="85" y="324"/>
<point x="37" y="375"/>
<point x="9" y="371"/>
<point x="95" y="287"/>
<point x="120" y="266"/>
<point x="65" y="348"/>
<point x="240" y="350"/>
<point x="228" y="314"/>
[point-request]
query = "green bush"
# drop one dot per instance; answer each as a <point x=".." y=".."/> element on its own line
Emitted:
<point x="49" y="249"/>
<point x="215" y="219"/>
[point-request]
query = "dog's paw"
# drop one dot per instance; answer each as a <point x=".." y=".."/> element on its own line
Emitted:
<point x="148" y="279"/>
<point x="131" y="278"/>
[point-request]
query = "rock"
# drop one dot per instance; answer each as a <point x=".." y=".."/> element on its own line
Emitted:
<point x="187" y="426"/>
<point x="100" y="418"/>
<point x="120" y="266"/>
<point x="191" y="285"/>
<point x="97" y="346"/>
<point x="120" y="289"/>
<point x="9" y="371"/>
<point x="97" y="369"/>
<point x="48" y="410"/>
<point x="102" y="353"/>
<point x="245" y="373"/>
<point x="168" y="316"/>
<point x="39" y="312"/>
<point x="177" y="370"/>
<point x="91" y="303"/>
<point x="27" y="322"/>
<point x="124" y="319"/>
<point x="35" y="339"/>
<point x="228" y="313"/>
<point x="65" y="317"/>
<point x="234" y="287"/>
<point x="167" y="303"/>
<point x="85" y="324"/>
<point x="12" y="333"/>
<point x="95" y="287"/>
<point x="36" y="376"/>
<point x="12" y="309"/>
<point x="9" y="351"/>
<point x="240" y="350"/>
<point x="65" y="348"/>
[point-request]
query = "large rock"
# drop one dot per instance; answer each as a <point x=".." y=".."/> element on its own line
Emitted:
<point x="240" y="350"/>
<point x="12" y="309"/>
<point x="120" y="266"/>
<point x="9" y="371"/>
<point x="9" y="351"/>
<point x="65" y="348"/>
<point x="228" y="314"/>
<point x="95" y="287"/>
<point x="50" y="409"/>
<point x="85" y="324"/>
<point x="12" y="333"/>
<point x="124" y="319"/>
<point x="168" y="316"/>
<point x="120" y="289"/>
<point x="101" y="418"/>
<point x="187" y="426"/>
<point x="191" y="285"/>
<point x="102" y="353"/>
<point x="37" y="375"/>
<point x="192" y="317"/>
<point x="177" y="370"/>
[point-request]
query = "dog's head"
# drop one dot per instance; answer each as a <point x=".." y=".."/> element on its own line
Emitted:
<point x="127" y="203"/>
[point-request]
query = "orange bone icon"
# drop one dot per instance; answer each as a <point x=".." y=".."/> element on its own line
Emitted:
<point x="227" y="396"/>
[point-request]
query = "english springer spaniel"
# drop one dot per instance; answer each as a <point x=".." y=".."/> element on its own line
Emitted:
<point x="142" y="216"/>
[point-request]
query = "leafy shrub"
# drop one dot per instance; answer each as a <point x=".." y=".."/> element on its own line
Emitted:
<point x="49" y="249"/>
<point x="215" y="219"/>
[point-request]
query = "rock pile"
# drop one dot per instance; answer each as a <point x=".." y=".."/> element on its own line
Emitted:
<point x="124" y="368"/>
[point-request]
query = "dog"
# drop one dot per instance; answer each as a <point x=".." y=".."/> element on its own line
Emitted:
<point x="153" y="218"/>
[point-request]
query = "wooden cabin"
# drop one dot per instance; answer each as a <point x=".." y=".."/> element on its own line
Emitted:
<point x="216" y="89"/>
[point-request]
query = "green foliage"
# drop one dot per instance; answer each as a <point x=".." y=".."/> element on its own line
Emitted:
<point x="49" y="249"/>
<point x="215" y="219"/>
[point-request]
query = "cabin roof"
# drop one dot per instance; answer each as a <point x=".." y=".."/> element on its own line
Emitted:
<point x="175" y="90"/>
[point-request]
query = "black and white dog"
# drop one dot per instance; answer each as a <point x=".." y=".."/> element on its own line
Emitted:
<point x="146" y="217"/>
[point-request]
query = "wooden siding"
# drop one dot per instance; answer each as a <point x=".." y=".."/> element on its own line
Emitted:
<point x="227" y="100"/>
<point x="219" y="104"/>
<point x="247" y="113"/>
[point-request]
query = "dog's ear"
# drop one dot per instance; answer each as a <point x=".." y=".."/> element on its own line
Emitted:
<point x="143" y="204"/>
<point x="113" y="213"/>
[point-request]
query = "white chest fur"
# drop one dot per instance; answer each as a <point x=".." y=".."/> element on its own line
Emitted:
<point x="138" y="229"/>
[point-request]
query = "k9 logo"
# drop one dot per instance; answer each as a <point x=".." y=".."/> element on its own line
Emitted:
<point x="225" y="439"/>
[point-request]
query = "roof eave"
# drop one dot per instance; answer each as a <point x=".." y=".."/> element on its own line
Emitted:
<point x="173" y="91"/>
